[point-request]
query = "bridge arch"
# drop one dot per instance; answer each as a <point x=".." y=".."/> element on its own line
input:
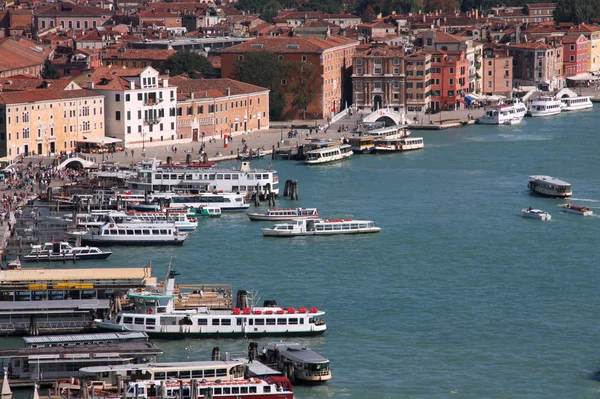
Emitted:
<point x="75" y="163"/>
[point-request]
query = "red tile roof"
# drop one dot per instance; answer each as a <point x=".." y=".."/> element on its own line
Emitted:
<point x="140" y="54"/>
<point x="209" y="88"/>
<point x="107" y="78"/>
<point x="21" y="54"/>
<point x="290" y="44"/>
<point x="29" y="96"/>
<point x="68" y="9"/>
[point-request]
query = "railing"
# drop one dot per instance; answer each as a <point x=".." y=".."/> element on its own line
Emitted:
<point x="153" y="101"/>
<point x="152" y="121"/>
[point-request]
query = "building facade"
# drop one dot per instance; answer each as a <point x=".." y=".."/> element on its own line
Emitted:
<point x="378" y="78"/>
<point x="46" y="121"/>
<point x="576" y="54"/>
<point x="216" y="107"/>
<point x="67" y="15"/>
<point x="140" y="105"/>
<point x="450" y="80"/>
<point x="418" y="81"/>
<point x="538" y="64"/>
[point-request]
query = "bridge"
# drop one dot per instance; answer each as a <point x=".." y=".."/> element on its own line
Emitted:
<point x="387" y="115"/>
<point x="76" y="163"/>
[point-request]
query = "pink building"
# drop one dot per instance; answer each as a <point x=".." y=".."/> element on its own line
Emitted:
<point x="576" y="55"/>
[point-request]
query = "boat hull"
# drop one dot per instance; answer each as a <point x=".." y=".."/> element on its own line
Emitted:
<point x="534" y="215"/>
<point x="62" y="258"/>
<point x="258" y="217"/>
<point x="133" y="242"/>
<point x="291" y="233"/>
<point x="328" y="160"/>
<point x="588" y="212"/>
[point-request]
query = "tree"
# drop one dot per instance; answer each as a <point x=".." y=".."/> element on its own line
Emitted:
<point x="49" y="71"/>
<point x="368" y="14"/>
<point x="186" y="61"/>
<point x="302" y="77"/>
<point x="267" y="9"/>
<point x="325" y="6"/>
<point x="444" y="5"/>
<point x="576" y="11"/>
<point x="261" y="68"/>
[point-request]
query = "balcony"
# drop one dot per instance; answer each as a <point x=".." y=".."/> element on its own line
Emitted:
<point x="153" y="101"/>
<point x="152" y="120"/>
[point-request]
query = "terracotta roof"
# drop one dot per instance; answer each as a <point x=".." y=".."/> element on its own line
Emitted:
<point x="29" y="96"/>
<point x="106" y="78"/>
<point x="68" y="9"/>
<point x="443" y="37"/>
<point x="530" y="46"/>
<point x="541" y="5"/>
<point x="209" y="88"/>
<point x="15" y="55"/>
<point x="379" y="51"/>
<point x="140" y="54"/>
<point x="20" y="83"/>
<point x="573" y="38"/>
<point x="290" y="44"/>
<point x="585" y="28"/>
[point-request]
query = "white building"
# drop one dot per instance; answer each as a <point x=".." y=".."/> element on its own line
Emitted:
<point x="140" y="106"/>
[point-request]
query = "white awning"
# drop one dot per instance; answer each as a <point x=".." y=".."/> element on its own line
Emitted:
<point x="583" y="76"/>
<point x="99" y="140"/>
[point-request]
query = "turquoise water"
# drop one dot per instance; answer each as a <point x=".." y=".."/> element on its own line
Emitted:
<point x="458" y="296"/>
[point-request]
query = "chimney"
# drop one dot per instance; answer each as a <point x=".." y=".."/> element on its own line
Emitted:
<point x="165" y="83"/>
<point x="132" y="85"/>
<point x="192" y="95"/>
<point x="518" y="34"/>
<point x="90" y="85"/>
<point x="228" y="92"/>
<point x="477" y="13"/>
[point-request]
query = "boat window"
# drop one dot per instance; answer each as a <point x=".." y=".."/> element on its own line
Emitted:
<point x="211" y="176"/>
<point x="217" y="391"/>
<point x="172" y="374"/>
<point x="209" y="373"/>
<point x="180" y="177"/>
<point x="225" y="322"/>
<point x="202" y="322"/>
<point x="146" y="232"/>
<point x="301" y="321"/>
<point x="129" y="232"/>
<point x="215" y="322"/>
<point x="259" y="322"/>
<point x="258" y="177"/>
<point x="250" y="176"/>
<point x="138" y="232"/>
<point x="243" y="389"/>
<point x="252" y="389"/>
<point x="196" y="373"/>
<point x="293" y="321"/>
<point x="156" y="232"/>
<point x="219" y="176"/>
<point x="159" y="375"/>
<point x="242" y="188"/>
<point x="328" y="227"/>
<point x="227" y="176"/>
<point x="266" y="389"/>
<point x="226" y="390"/>
<point x="362" y="226"/>
<point x="127" y="320"/>
<point x="281" y="321"/>
<point x="185" y="374"/>
<point x="235" y="390"/>
<point x="188" y="177"/>
<point x="139" y="320"/>
<point x="270" y="322"/>
<point x="122" y="232"/>
<point x="151" y="322"/>
<point x="163" y="232"/>
<point x="337" y="226"/>
<point x="173" y="177"/>
<point x="235" y="176"/>
<point x="221" y="372"/>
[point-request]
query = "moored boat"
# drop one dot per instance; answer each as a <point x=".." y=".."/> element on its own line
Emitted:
<point x="309" y="366"/>
<point x="398" y="145"/>
<point x="545" y="106"/>
<point x="509" y="113"/>
<point x="280" y="214"/>
<point x="60" y="251"/>
<point x="578" y="210"/>
<point x="134" y="234"/>
<point x="535" y="214"/>
<point x="549" y="186"/>
<point x="210" y="211"/>
<point x="312" y="227"/>
<point x="328" y="154"/>
<point x="576" y="103"/>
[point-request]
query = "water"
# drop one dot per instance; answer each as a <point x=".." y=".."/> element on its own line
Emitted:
<point x="458" y="296"/>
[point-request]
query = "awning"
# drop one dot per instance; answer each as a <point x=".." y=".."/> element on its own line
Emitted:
<point x="99" y="140"/>
<point x="583" y="76"/>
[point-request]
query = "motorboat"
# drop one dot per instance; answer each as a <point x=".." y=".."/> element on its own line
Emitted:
<point x="576" y="103"/>
<point x="545" y="106"/>
<point x="205" y="211"/>
<point x="399" y="145"/>
<point x="249" y="155"/>
<point x="61" y="251"/>
<point x="535" y="214"/>
<point x="311" y="367"/>
<point x="549" y="186"/>
<point x="578" y="210"/>
<point x="280" y="214"/>
<point x="14" y="264"/>
<point x="509" y="113"/>
<point x="317" y="227"/>
<point x="133" y="233"/>
<point x="328" y="154"/>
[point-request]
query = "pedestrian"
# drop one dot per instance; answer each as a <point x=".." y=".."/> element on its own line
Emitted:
<point x="132" y="152"/>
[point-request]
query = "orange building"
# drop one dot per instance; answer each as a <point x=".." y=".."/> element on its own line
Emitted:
<point x="497" y="72"/>
<point x="418" y="81"/>
<point x="450" y="76"/>
<point x="331" y="57"/>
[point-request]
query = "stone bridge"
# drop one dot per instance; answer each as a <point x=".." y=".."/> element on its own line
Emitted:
<point x="76" y="163"/>
<point x="387" y="115"/>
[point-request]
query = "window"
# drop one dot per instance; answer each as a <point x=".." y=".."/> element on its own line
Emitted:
<point x="377" y="85"/>
<point x="409" y="85"/>
<point x="118" y="115"/>
<point x="240" y="58"/>
<point x="304" y="58"/>
<point x="127" y="97"/>
<point x="117" y="97"/>
<point x="283" y="82"/>
<point x="396" y="61"/>
<point x="572" y="47"/>
<point x="451" y="81"/>
<point x="489" y="73"/>
<point x="451" y="70"/>
<point x="489" y="84"/>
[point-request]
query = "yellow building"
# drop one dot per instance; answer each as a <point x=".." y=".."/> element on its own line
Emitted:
<point x="48" y="120"/>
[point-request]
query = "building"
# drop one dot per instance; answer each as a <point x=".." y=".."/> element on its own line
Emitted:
<point x="576" y="54"/>
<point x="538" y="64"/>
<point x="48" y="120"/>
<point x="418" y="81"/>
<point x="377" y="29"/>
<point x="378" y="77"/>
<point x="19" y="56"/>
<point x="68" y="15"/>
<point x="217" y="107"/>
<point x="450" y="76"/>
<point x="331" y="59"/>
<point x="592" y="34"/>
<point x="531" y="13"/>
<point x="136" y="58"/>
<point x="140" y="105"/>
<point x="497" y="72"/>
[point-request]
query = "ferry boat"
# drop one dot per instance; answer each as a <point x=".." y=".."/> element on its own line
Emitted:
<point x="61" y="251"/>
<point x="549" y="186"/>
<point x="545" y="106"/>
<point x="227" y="202"/>
<point x="14" y="264"/>
<point x="328" y="154"/>
<point x="275" y="387"/>
<point x="576" y="103"/>
<point x="279" y="214"/>
<point x="317" y="227"/>
<point x="509" y="113"/>
<point x="365" y="143"/>
<point x="578" y="210"/>
<point x="535" y="214"/>
<point x="133" y="233"/>
<point x="177" y="216"/>
<point x="395" y="145"/>
<point x="155" y="313"/>
<point x="308" y="365"/>
<point x="204" y="179"/>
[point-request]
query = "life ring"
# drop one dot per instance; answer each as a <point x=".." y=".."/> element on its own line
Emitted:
<point x="111" y="225"/>
<point x="149" y="311"/>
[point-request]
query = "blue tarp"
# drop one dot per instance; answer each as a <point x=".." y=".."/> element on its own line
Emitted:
<point x="469" y="100"/>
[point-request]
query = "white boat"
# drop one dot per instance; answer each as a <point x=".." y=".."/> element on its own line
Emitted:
<point x="310" y="366"/>
<point x="14" y="264"/>
<point x="279" y="214"/>
<point x="397" y="145"/>
<point x="576" y="103"/>
<point x="328" y="154"/>
<point x="510" y="112"/>
<point x="549" y="186"/>
<point x="132" y="233"/>
<point x="156" y="315"/>
<point x="578" y="210"/>
<point x="545" y="106"/>
<point x="178" y="216"/>
<point x="365" y="142"/>
<point x="314" y="227"/>
<point x="536" y="214"/>
<point x="60" y="251"/>
<point x="227" y="202"/>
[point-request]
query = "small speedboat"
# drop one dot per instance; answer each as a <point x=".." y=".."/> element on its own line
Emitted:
<point x="535" y="214"/>
<point x="578" y="210"/>
<point x="14" y="264"/>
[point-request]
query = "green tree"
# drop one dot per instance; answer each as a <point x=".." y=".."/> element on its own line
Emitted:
<point x="325" y="6"/>
<point x="49" y="71"/>
<point x="188" y="62"/>
<point x="576" y="11"/>
<point x="444" y="5"/>
<point x="267" y="9"/>
<point x="263" y="69"/>
<point x="302" y="77"/>
<point x="368" y="14"/>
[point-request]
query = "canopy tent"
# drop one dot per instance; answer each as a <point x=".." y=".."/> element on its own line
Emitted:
<point x="99" y="140"/>
<point x="583" y="76"/>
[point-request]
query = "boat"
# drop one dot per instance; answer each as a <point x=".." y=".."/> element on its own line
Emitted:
<point x="178" y="216"/>
<point x="549" y="186"/>
<point x="227" y="202"/>
<point x="511" y="112"/>
<point x="309" y="366"/>
<point x="249" y="155"/>
<point x="275" y="387"/>
<point x="576" y="103"/>
<point x="210" y="211"/>
<point x="536" y="214"/>
<point x="132" y="233"/>
<point x="279" y="214"/>
<point x="317" y="227"/>
<point x="578" y="210"/>
<point x="60" y="251"/>
<point x="156" y="314"/>
<point x="155" y="178"/>
<point x="364" y="143"/>
<point x="328" y="154"/>
<point x="545" y="106"/>
<point x="14" y="264"/>
<point x="395" y="145"/>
